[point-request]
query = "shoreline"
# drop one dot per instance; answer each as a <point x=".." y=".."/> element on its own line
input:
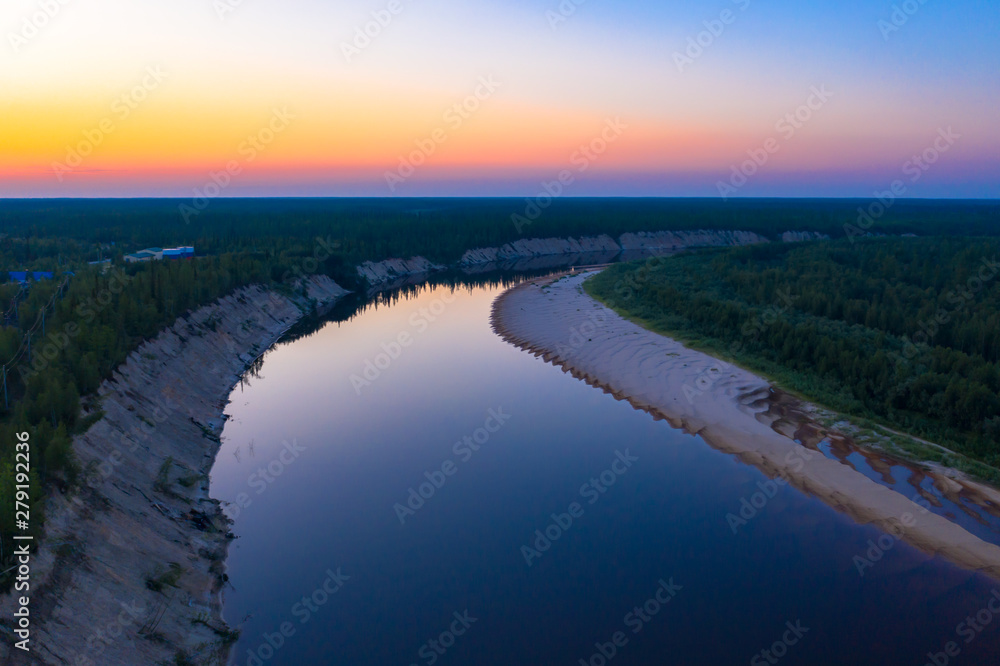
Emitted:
<point x="543" y="253"/>
<point x="132" y="568"/>
<point x="555" y="320"/>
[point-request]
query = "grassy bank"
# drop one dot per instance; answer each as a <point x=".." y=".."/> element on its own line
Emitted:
<point x="898" y="334"/>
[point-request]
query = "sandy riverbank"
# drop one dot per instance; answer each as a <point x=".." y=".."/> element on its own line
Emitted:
<point x="725" y="405"/>
<point x="132" y="565"/>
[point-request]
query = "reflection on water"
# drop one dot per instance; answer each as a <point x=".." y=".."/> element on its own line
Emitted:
<point x="970" y="505"/>
<point x="328" y="570"/>
<point x="959" y="503"/>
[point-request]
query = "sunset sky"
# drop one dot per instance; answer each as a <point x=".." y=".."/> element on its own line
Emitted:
<point x="127" y="98"/>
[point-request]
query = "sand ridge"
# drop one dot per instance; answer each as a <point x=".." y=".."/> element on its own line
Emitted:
<point x="553" y="318"/>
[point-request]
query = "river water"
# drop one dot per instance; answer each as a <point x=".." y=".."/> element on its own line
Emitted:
<point x="467" y="503"/>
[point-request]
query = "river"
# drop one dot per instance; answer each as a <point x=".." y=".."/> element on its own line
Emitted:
<point x="467" y="503"/>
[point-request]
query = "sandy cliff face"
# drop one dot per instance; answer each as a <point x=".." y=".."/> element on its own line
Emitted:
<point x="801" y="236"/>
<point x="391" y="270"/>
<point x="535" y="253"/>
<point x="132" y="565"/>
<point x="660" y="241"/>
<point x="676" y="240"/>
<point x="539" y="247"/>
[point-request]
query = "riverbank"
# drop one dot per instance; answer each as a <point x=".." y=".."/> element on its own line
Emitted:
<point x="732" y="409"/>
<point x="528" y="254"/>
<point x="133" y="562"/>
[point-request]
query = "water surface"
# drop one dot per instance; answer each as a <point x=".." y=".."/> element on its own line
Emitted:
<point x="344" y="456"/>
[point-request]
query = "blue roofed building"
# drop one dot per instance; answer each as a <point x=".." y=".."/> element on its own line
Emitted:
<point x="23" y="276"/>
<point x="153" y="253"/>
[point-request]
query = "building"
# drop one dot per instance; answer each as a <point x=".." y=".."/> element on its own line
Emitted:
<point x="144" y="255"/>
<point x="183" y="252"/>
<point x="157" y="253"/>
<point x="148" y="254"/>
<point x="105" y="264"/>
<point x="22" y="276"/>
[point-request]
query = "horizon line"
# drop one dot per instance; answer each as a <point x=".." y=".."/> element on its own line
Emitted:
<point x="500" y="197"/>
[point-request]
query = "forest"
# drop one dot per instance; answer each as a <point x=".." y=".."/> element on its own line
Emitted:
<point x="902" y="331"/>
<point x="442" y="229"/>
<point x="61" y="338"/>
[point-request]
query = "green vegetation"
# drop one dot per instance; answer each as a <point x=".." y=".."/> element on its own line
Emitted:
<point x="65" y="336"/>
<point x="162" y="483"/>
<point x="226" y="635"/>
<point x="59" y="339"/>
<point x="181" y="658"/>
<point x="905" y="332"/>
<point x="442" y="229"/>
<point x="159" y="582"/>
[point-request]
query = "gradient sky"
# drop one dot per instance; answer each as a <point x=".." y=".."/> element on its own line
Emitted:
<point x="229" y="65"/>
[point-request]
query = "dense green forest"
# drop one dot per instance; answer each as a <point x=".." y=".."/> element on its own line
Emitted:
<point x="60" y="338"/>
<point x="442" y="229"/>
<point x="904" y="331"/>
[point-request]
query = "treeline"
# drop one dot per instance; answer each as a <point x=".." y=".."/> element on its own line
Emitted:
<point x="903" y="331"/>
<point x="70" y="333"/>
<point x="857" y="304"/>
<point x="442" y="229"/>
<point x="34" y="253"/>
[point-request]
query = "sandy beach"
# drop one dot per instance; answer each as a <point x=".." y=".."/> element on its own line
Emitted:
<point x="556" y="320"/>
